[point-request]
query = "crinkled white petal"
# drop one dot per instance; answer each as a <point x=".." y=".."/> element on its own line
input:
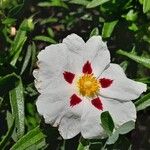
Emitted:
<point x="74" y="42"/>
<point x="122" y="88"/>
<point x="90" y="122"/>
<point x="121" y="112"/>
<point x="69" y="126"/>
<point x="54" y="57"/>
<point x="96" y="51"/>
<point x="52" y="104"/>
<point x="45" y="83"/>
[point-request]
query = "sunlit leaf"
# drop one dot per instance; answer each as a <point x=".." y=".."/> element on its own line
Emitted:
<point x="95" y="3"/>
<point x="32" y="137"/>
<point x="146" y="6"/>
<point x="17" y="105"/>
<point x="108" y="28"/>
<point x="45" y="39"/>
<point x="79" y="2"/>
<point x="95" y="31"/>
<point x="141" y="60"/>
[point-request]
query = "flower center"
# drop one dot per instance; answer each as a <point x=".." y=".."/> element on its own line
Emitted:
<point x="88" y="85"/>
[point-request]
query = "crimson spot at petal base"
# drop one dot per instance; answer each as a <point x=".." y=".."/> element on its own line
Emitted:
<point x="74" y="100"/>
<point x="68" y="76"/>
<point x="87" y="68"/>
<point x="97" y="103"/>
<point x="105" y="82"/>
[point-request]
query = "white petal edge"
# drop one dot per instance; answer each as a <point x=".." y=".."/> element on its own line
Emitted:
<point x="121" y="112"/>
<point x="69" y="126"/>
<point x="74" y="42"/>
<point x="122" y="88"/>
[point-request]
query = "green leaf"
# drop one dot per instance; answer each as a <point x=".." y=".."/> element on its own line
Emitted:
<point x="17" y="105"/>
<point x="96" y="3"/>
<point x="20" y="39"/>
<point x="108" y="28"/>
<point x="54" y="3"/>
<point x="141" y="60"/>
<point x="10" y="119"/>
<point x="33" y="57"/>
<point x="113" y="138"/>
<point x="45" y="39"/>
<point x="7" y="136"/>
<point x="8" y="82"/>
<point x="95" y="31"/>
<point x="26" y="59"/>
<point x="8" y="21"/>
<point x="126" y="127"/>
<point x="79" y="2"/>
<point x="107" y="122"/>
<point x="32" y="137"/>
<point x="50" y="32"/>
<point x="146" y="6"/>
<point x="143" y="103"/>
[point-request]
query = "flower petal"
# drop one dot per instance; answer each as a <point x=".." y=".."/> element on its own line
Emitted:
<point x="121" y="112"/>
<point x="87" y="68"/>
<point x="90" y="122"/>
<point x="52" y="104"/>
<point x="54" y="57"/>
<point x="69" y="126"/>
<point x="122" y="87"/>
<point x="74" y="42"/>
<point x="96" y="51"/>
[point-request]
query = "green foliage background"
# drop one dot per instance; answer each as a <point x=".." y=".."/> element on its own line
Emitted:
<point x="27" y="26"/>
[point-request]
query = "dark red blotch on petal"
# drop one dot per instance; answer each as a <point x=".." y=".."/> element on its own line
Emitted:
<point x="97" y="103"/>
<point x="87" y="68"/>
<point x="74" y="100"/>
<point x="68" y="76"/>
<point x="105" y="82"/>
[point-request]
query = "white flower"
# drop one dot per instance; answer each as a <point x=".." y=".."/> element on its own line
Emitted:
<point x="77" y="82"/>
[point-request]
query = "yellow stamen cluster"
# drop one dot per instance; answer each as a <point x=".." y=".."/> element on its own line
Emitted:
<point x="88" y="85"/>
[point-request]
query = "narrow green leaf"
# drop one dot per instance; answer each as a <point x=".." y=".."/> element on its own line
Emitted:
<point x="143" y="103"/>
<point x="96" y="3"/>
<point x="126" y="127"/>
<point x="141" y="60"/>
<point x="95" y="31"/>
<point x="7" y="136"/>
<point x="17" y="105"/>
<point x="10" y="119"/>
<point x="26" y="59"/>
<point x="56" y="3"/>
<point x="33" y="57"/>
<point x="146" y="6"/>
<point x="8" y="82"/>
<point x="108" y="28"/>
<point x="50" y="32"/>
<point x="79" y="2"/>
<point x="45" y="39"/>
<point x="32" y="137"/>
<point x="21" y="37"/>
<point x="107" y="122"/>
